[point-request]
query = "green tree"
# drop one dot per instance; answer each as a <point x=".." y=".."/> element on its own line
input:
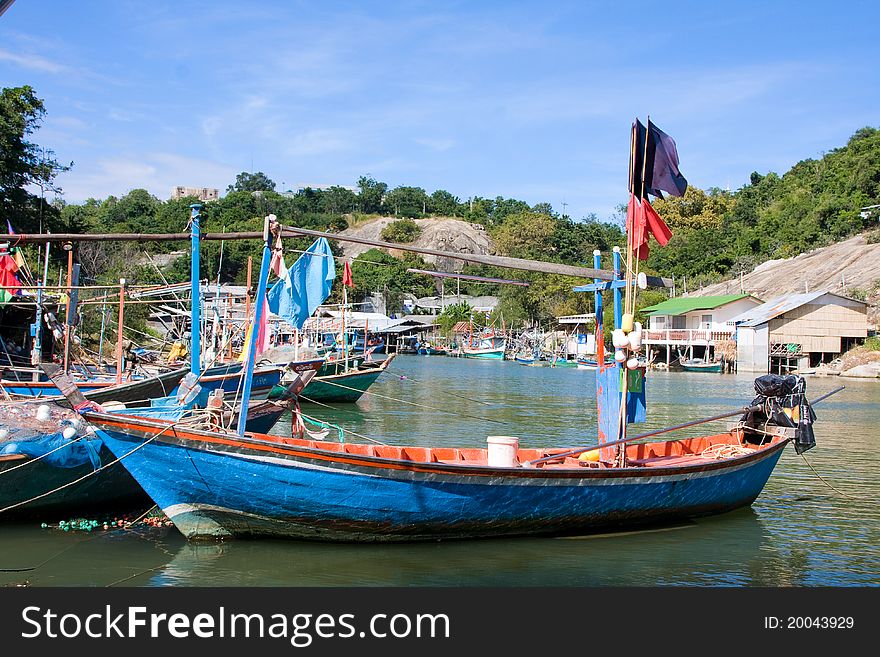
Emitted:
<point x="377" y="271"/>
<point x="455" y="313"/>
<point x="406" y="201"/>
<point x="252" y="182"/>
<point x="443" y="203"/>
<point x="403" y="231"/>
<point x="370" y="194"/>
<point x="24" y="163"/>
<point x="338" y="200"/>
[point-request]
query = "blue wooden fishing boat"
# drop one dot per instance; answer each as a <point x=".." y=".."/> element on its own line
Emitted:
<point x="214" y="485"/>
<point x="141" y="388"/>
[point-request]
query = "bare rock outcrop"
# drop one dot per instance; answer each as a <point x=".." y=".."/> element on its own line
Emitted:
<point x="839" y="268"/>
<point x="439" y="233"/>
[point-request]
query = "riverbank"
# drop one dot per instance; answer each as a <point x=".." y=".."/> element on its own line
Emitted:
<point x="862" y="362"/>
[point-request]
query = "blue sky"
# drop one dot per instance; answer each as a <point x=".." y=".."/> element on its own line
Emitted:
<point x="530" y="100"/>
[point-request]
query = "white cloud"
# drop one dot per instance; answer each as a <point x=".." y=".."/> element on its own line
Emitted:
<point x="436" y="144"/>
<point x="316" y="142"/>
<point x="158" y="173"/>
<point x="33" y="62"/>
<point x="125" y="116"/>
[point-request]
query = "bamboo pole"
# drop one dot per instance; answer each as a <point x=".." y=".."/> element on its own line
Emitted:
<point x="119" y="358"/>
<point x="67" y="325"/>
<point x="37" y="355"/>
<point x="288" y="231"/>
<point x="247" y="292"/>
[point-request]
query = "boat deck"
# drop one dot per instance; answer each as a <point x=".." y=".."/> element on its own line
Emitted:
<point x="690" y="451"/>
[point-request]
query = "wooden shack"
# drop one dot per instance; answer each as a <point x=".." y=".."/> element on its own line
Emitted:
<point x="798" y="331"/>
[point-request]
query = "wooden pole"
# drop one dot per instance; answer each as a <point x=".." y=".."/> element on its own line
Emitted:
<point x="498" y="261"/>
<point x="37" y="355"/>
<point x="119" y="351"/>
<point x="344" y="336"/>
<point x="195" y="325"/>
<point x="67" y="326"/>
<point x="259" y="308"/>
<point x="247" y="293"/>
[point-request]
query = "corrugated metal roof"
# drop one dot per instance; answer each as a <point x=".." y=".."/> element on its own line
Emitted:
<point x="682" y="305"/>
<point x="778" y="306"/>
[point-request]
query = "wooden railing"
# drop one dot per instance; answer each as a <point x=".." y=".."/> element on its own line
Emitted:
<point x="686" y="335"/>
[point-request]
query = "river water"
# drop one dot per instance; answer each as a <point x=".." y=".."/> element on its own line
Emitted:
<point x="800" y="531"/>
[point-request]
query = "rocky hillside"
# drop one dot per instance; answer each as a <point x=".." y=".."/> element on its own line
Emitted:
<point x="440" y="233"/>
<point x="851" y="267"/>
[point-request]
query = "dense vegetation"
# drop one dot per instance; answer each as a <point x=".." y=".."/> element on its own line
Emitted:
<point x="716" y="233"/>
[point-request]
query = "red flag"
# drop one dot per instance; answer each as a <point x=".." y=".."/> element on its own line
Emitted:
<point x="656" y="226"/>
<point x="347" y="280"/>
<point x="642" y="220"/>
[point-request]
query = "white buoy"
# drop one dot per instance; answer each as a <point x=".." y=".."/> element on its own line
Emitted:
<point x="43" y="413"/>
<point x="69" y="433"/>
<point x="618" y="338"/>
<point x="619" y="356"/>
<point x="632" y="363"/>
<point x="635" y="340"/>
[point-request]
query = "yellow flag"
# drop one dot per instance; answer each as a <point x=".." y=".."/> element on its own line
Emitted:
<point x="247" y="341"/>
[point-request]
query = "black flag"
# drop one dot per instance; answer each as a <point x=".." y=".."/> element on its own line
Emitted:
<point x="654" y="153"/>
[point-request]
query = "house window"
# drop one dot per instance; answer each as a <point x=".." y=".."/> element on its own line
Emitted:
<point x="679" y="322"/>
<point x="706" y="321"/>
<point x="658" y="322"/>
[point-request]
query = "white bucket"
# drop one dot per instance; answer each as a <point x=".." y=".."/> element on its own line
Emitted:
<point x="502" y="451"/>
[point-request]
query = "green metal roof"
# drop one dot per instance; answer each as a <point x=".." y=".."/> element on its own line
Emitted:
<point x="682" y="305"/>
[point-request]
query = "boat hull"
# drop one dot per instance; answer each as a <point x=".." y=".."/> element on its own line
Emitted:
<point x="111" y="489"/>
<point x="214" y="487"/>
<point x="711" y="367"/>
<point x="484" y="354"/>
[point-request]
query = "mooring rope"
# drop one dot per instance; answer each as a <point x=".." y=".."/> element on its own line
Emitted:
<point x="822" y="479"/>
<point x="353" y="433"/>
<point x="430" y="408"/>
<point x="444" y="392"/>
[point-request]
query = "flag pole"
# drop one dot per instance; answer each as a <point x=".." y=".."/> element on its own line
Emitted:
<point x="259" y="309"/>
<point x="644" y="192"/>
<point x="344" y="336"/>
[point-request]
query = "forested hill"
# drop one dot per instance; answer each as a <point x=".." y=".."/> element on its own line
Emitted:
<point x="817" y="202"/>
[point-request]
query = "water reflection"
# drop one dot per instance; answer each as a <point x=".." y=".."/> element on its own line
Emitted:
<point x="706" y="552"/>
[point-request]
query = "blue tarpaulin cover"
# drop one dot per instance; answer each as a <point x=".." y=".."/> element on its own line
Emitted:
<point x="305" y="287"/>
<point x="72" y="453"/>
